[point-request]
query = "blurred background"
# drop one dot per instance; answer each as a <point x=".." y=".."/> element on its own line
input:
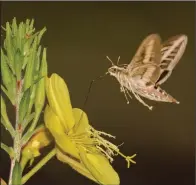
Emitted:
<point x="78" y="38"/>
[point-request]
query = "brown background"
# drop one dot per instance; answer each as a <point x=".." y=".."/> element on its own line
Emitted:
<point x="79" y="36"/>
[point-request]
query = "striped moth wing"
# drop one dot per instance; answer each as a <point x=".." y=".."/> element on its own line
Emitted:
<point x="147" y="59"/>
<point x="171" y="51"/>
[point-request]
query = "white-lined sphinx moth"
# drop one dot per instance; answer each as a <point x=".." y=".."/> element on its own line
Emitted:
<point x="151" y="66"/>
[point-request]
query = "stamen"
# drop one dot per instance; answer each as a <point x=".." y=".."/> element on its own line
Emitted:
<point x="102" y="133"/>
<point x="107" y="155"/>
<point x="92" y="138"/>
<point x="128" y="159"/>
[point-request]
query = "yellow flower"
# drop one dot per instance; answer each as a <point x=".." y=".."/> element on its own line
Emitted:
<point x="77" y="142"/>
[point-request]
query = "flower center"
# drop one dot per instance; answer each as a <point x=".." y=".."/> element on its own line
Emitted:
<point x="93" y="142"/>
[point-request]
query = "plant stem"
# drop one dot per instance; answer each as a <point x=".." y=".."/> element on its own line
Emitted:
<point x="18" y="132"/>
<point x="38" y="166"/>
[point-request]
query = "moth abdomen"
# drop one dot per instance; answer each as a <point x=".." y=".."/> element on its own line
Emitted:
<point x="164" y="96"/>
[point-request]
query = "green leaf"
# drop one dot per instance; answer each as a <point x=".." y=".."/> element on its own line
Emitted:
<point x="27" y="25"/>
<point x="8" y="150"/>
<point x="14" y="33"/>
<point x="30" y="69"/>
<point x="4" y="57"/>
<point x="31" y="25"/>
<point x="20" y="36"/>
<point x="5" y="120"/>
<point x="8" y="43"/>
<point x="8" y="94"/>
<point x="41" y="34"/>
<point x="24" y="105"/>
<point x="27" y="120"/>
<point x="37" y="62"/>
<point x="8" y="77"/>
<point x="32" y="98"/>
<point x="14" y="27"/>
<point x="32" y="90"/>
<point x="40" y="91"/>
<point x="26" y="49"/>
<point x="18" y="64"/>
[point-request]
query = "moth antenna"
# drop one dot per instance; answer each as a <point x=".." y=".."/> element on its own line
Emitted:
<point x="89" y="90"/>
<point x="118" y="60"/>
<point x="110" y="60"/>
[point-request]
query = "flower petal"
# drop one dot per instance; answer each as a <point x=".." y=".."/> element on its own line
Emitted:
<point x="54" y="125"/>
<point x="81" y="122"/>
<point x="75" y="164"/>
<point x="99" y="167"/>
<point x="59" y="100"/>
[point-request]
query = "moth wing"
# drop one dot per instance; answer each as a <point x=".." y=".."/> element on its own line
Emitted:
<point x="148" y="51"/>
<point x="171" y="51"/>
<point x="146" y="61"/>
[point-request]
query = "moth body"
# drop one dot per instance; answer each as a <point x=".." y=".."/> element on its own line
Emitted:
<point x="139" y="87"/>
<point x="151" y="66"/>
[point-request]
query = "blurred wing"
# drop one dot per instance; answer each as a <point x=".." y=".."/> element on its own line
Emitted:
<point x="171" y="51"/>
<point x="147" y="59"/>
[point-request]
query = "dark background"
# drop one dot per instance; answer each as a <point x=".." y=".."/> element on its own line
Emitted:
<point x="79" y="36"/>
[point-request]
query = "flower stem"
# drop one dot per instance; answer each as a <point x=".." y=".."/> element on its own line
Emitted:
<point x="38" y="166"/>
<point x="18" y="132"/>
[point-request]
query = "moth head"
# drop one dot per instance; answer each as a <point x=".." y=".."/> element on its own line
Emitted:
<point x="113" y="70"/>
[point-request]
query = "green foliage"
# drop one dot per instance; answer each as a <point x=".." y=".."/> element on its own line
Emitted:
<point x="21" y="65"/>
<point x="23" y="72"/>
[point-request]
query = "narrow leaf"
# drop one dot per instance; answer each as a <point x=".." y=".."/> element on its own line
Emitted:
<point x="24" y="104"/>
<point x="30" y="66"/>
<point x="6" y="122"/>
<point x="27" y="120"/>
<point x="8" y="150"/>
<point x="7" y="76"/>
<point x="7" y="94"/>
<point x="40" y="91"/>
<point x="9" y="46"/>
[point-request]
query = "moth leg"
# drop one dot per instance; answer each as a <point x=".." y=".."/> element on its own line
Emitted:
<point x="139" y="99"/>
<point x="122" y="89"/>
<point x="127" y="91"/>
<point x="142" y="101"/>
